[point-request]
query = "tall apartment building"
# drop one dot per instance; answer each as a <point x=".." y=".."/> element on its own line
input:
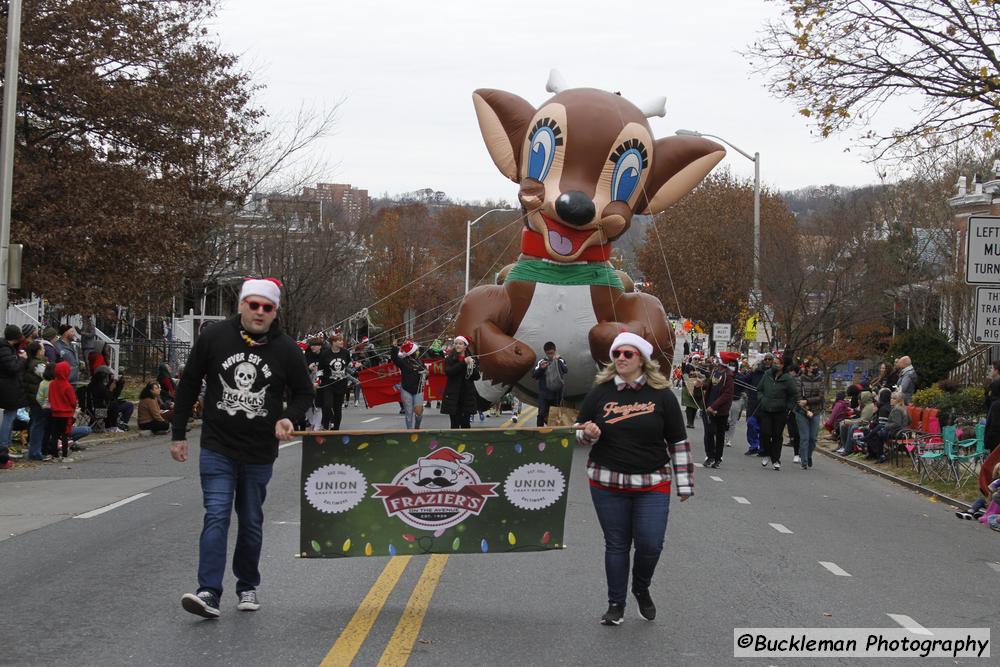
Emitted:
<point x="352" y="202"/>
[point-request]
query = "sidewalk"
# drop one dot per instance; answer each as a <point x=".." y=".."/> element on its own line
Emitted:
<point x="97" y="445"/>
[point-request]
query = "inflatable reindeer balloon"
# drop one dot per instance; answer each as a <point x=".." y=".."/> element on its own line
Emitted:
<point x="586" y="162"/>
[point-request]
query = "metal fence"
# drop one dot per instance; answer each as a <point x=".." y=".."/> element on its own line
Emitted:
<point x="140" y="358"/>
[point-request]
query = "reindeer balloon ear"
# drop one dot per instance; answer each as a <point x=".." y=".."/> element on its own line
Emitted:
<point x="679" y="164"/>
<point x="503" y="120"/>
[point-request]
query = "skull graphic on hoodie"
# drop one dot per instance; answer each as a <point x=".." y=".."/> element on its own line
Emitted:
<point x="242" y="397"/>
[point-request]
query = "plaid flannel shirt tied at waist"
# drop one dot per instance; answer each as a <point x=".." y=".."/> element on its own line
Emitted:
<point x="680" y="461"/>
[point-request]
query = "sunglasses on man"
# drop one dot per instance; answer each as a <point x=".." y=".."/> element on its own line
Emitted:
<point x="628" y="354"/>
<point x="257" y="305"/>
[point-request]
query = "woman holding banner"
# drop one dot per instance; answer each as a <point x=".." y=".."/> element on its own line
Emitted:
<point x="413" y="374"/>
<point x="633" y="422"/>
<point x="462" y="369"/>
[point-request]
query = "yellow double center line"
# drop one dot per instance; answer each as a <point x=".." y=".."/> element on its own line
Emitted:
<point x="400" y="645"/>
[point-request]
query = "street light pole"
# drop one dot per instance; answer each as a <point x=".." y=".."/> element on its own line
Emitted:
<point x="756" y="227"/>
<point x="7" y="144"/>
<point x="756" y="297"/>
<point x="468" y="241"/>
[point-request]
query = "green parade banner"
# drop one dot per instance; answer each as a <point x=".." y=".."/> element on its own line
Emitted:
<point x="387" y="493"/>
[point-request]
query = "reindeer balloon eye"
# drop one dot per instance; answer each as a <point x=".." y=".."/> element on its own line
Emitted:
<point x="545" y="136"/>
<point x="630" y="159"/>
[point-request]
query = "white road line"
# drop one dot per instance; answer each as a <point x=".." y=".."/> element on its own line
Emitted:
<point x="289" y="444"/>
<point x="369" y="421"/>
<point x="995" y="566"/>
<point x="741" y="500"/>
<point x="911" y="625"/>
<point x="717" y="479"/>
<point x="107" y="508"/>
<point x="836" y="569"/>
<point x="780" y="528"/>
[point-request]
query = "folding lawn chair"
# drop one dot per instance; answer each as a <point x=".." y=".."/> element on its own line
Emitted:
<point x="964" y="455"/>
<point x="932" y="462"/>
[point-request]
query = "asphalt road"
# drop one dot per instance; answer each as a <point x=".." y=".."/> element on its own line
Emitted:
<point x="85" y="584"/>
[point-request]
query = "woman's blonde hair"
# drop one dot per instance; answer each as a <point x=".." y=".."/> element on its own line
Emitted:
<point x="996" y="471"/>
<point x="650" y="368"/>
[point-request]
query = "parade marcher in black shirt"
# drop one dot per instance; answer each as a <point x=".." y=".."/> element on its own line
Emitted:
<point x="318" y="358"/>
<point x="633" y="422"/>
<point x="249" y="367"/>
<point x="460" y="396"/>
<point x="336" y="378"/>
<point x="413" y="375"/>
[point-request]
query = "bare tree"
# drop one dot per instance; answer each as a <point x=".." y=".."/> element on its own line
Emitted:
<point x="317" y="259"/>
<point x="843" y="60"/>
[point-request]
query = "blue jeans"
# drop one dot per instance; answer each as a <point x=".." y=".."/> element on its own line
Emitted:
<point x="223" y="481"/>
<point x="7" y="427"/>
<point x="410" y="401"/>
<point x="36" y="431"/>
<point x="627" y="519"/>
<point x="808" y="430"/>
<point x="753" y="434"/>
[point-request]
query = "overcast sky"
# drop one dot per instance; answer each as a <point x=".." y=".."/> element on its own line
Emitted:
<point x="405" y="72"/>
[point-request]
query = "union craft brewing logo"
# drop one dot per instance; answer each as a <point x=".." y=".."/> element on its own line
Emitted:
<point x="439" y="492"/>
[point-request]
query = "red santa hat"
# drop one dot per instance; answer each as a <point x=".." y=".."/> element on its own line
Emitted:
<point x="446" y="457"/>
<point x="407" y="348"/>
<point x="462" y="339"/>
<point x="267" y="288"/>
<point x="729" y="357"/>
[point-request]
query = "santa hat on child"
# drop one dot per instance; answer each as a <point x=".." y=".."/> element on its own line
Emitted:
<point x="446" y="459"/>
<point x="267" y="288"/>
<point x="407" y="348"/>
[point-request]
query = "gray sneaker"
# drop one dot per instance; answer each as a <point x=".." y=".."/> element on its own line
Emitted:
<point x="248" y="601"/>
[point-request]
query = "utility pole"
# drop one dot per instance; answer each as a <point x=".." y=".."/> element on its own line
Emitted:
<point x="7" y="145"/>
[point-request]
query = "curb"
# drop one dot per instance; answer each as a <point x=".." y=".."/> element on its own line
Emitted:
<point x="129" y="436"/>
<point x="913" y="486"/>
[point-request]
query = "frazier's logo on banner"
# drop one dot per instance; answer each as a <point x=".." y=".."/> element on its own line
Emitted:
<point x="440" y="491"/>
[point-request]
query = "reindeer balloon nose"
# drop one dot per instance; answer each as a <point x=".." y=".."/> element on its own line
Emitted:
<point x="586" y="162"/>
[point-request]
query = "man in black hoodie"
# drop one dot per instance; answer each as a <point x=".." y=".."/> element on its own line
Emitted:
<point x="318" y="358"/>
<point x="249" y="365"/>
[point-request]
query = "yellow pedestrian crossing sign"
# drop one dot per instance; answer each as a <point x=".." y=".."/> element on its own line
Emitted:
<point x="750" y="330"/>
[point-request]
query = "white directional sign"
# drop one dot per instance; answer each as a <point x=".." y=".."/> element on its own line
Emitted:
<point x="988" y="314"/>
<point x="982" y="251"/>
<point x="722" y="333"/>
